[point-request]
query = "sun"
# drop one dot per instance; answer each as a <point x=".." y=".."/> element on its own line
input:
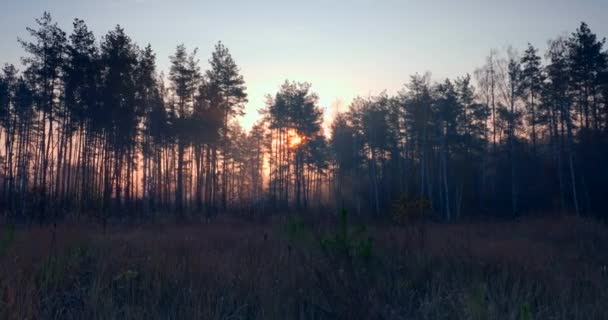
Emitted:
<point x="294" y="140"/>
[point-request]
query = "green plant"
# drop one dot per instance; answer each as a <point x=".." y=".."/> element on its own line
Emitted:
<point x="526" y="312"/>
<point x="476" y="302"/>
<point x="348" y="242"/>
<point x="7" y="239"/>
<point x="297" y="232"/>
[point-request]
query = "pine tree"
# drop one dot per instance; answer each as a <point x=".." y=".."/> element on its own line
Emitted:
<point x="531" y="86"/>
<point x="185" y="76"/>
<point x="225" y="78"/>
<point x="44" y="68"/>
<point x="118" y="115"/>
<point x="81" y="85"/>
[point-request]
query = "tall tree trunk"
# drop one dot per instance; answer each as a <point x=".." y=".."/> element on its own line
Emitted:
<point x="571" y="161"/>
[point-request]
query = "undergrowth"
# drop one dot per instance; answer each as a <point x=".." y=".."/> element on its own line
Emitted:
<point x="538" y="269"/>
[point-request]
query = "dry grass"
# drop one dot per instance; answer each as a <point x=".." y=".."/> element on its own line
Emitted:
<point x="546" y="268"/>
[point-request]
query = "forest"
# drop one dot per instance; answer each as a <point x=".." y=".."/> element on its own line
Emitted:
<point x="96" y="129"/>
<point x="93" y="134"/>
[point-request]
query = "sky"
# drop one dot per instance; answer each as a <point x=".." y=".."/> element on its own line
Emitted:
<point x="344" y="48"/>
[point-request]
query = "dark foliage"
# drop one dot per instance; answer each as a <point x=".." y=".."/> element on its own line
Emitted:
<point x="91" y="129"/>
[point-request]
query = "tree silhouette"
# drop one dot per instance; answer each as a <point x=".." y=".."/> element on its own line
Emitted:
<point x="46" y="56"/>
<point x="230" y="97"/>
<point x="185" y="77"/>
<point x="93" y="128"/>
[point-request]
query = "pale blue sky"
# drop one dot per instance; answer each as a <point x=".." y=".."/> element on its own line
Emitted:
<point x="344" y="48"/>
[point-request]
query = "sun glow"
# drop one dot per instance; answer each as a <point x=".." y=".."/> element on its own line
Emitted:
<point x="295" y="140"/>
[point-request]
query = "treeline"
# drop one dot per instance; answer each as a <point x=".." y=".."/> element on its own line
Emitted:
<point x="92" y="128"/>
<point x="531" y="137"/>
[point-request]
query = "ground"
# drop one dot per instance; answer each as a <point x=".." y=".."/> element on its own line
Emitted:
<point x="538" y="268"/>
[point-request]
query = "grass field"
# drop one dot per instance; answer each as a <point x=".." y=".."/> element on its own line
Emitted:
<point x="541" y="268"/>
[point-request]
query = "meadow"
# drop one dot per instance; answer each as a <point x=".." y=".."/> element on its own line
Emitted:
<point x="288" y="268"/>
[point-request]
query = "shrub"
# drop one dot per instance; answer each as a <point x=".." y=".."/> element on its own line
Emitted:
<point x="407" y="210"/>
